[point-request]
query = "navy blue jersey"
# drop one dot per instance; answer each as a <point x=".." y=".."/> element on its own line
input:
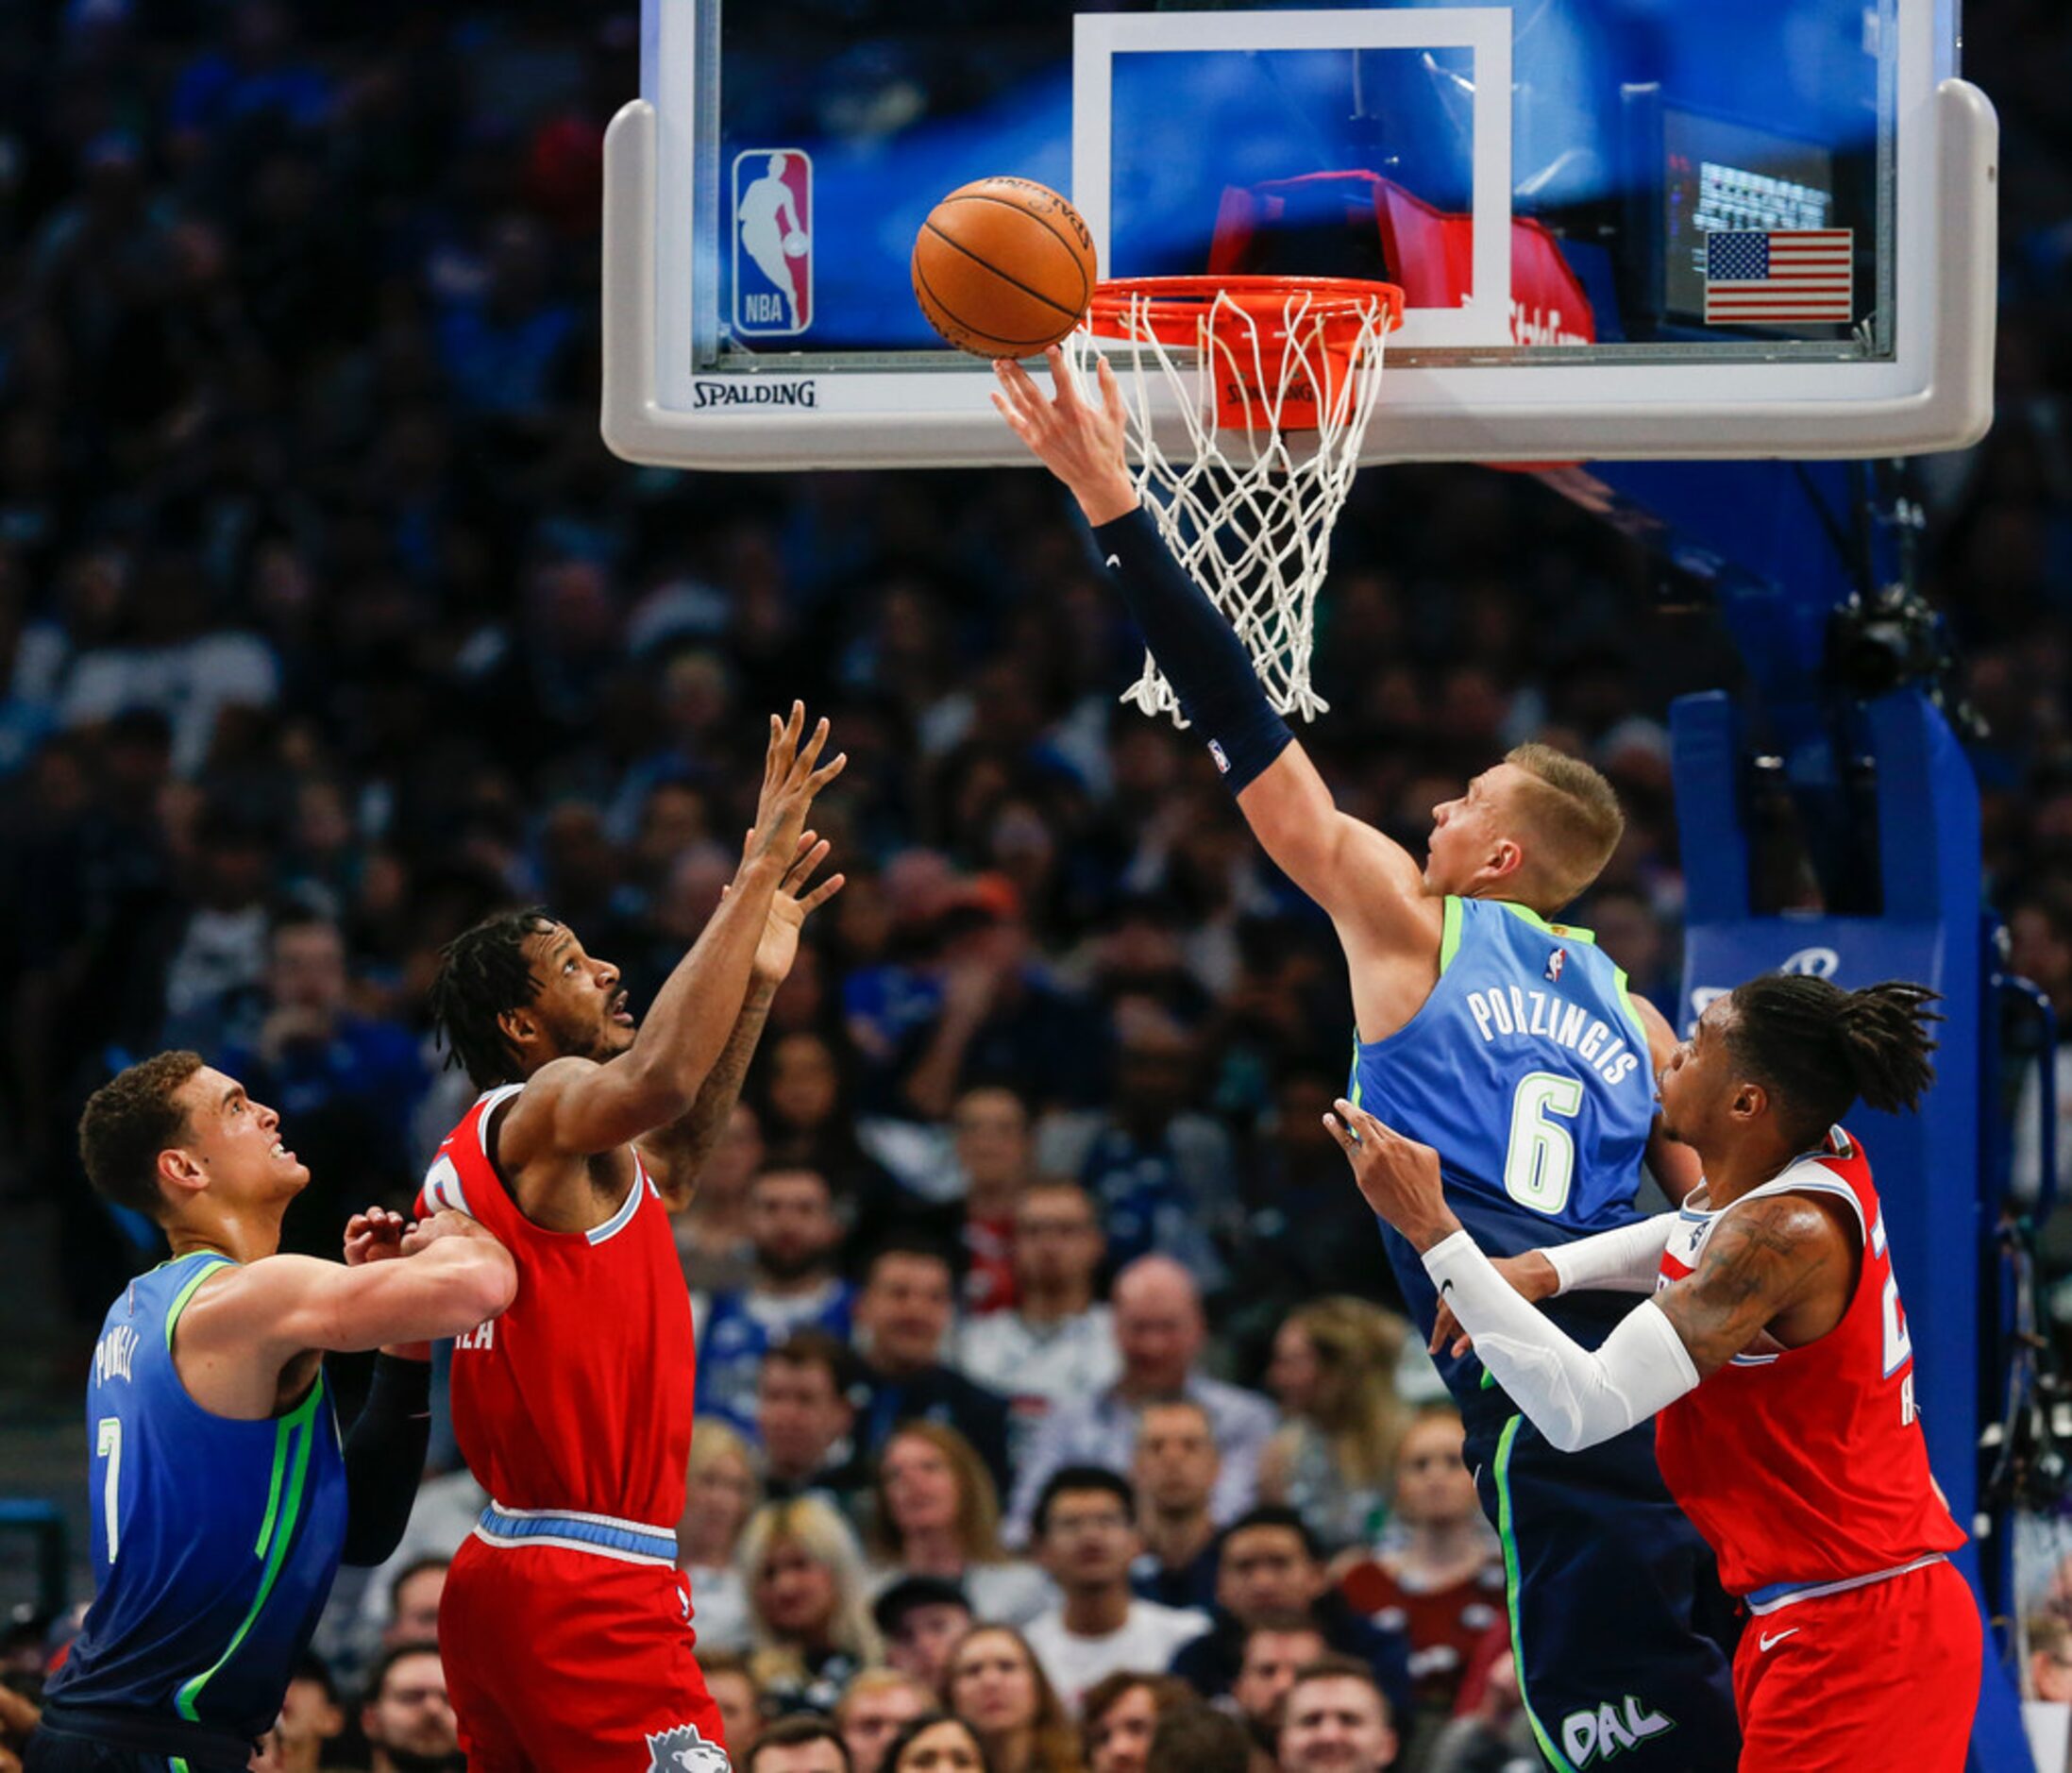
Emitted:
<point x="1527" y="1070"/>
<point x="214" y="1540"/>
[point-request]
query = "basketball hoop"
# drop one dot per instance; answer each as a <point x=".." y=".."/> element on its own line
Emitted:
<point x="1254" y="366"/>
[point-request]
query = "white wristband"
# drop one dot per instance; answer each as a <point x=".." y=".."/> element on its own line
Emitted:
<point x="1627" y="1260"/>
<point x="1574" y="1397"/>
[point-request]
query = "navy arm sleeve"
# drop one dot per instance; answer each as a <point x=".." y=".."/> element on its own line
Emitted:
<point x="1196" y="648"/>
<point x="385" y="1458"/>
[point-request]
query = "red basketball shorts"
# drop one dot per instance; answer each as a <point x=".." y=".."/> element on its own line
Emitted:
<point x="1882" y="1675"/>
<point x="560" y="1661"/>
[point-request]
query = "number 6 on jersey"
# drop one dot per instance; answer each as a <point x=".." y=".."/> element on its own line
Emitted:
<point x="1540" y="1162"/>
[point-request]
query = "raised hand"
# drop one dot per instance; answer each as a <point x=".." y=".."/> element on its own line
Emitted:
<point x="790" y="782"/>
<point x="790" y="905"/>
<point x="1080" y="442"/>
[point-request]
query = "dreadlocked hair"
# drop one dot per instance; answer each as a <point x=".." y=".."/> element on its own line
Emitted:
<point x="1819" y="1048"/>
<point x="483" y="975"/>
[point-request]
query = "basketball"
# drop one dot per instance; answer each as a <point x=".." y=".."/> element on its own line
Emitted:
<point x="1003" y="267"/>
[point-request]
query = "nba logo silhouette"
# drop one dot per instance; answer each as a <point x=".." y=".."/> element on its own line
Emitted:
<point x="772" y="242"/>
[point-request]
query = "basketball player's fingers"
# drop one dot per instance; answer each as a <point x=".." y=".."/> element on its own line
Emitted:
<point x="1111" y="394"/>
<point x="811" y="753"/>
<point x="1069" y="402"/>
<point x="811" y="852"/>
<point x="822" y="894"/>
<point x="828" y="771"/>
<point x="1343" y="1134"/>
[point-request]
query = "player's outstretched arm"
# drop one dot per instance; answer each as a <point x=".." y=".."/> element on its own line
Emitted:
<point x="1353" y="871"/>
<point x="452" y="1276"/>
<point x="676" y="1153"/>
<point x="575" y="1107"/>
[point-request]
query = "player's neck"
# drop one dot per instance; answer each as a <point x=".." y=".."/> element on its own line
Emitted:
<point x="243" y="1236"/>
<point x="1741" y="1168"/>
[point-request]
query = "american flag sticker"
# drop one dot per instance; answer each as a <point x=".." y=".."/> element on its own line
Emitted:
<point x="1786" y="276"/>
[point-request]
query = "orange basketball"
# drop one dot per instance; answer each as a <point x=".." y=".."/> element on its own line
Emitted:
<point x="1003" y="267"/>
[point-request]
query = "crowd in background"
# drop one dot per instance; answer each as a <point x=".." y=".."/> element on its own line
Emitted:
<point x="327" y="625"/>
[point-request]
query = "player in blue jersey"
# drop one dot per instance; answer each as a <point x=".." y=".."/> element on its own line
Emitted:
<point x="1509" y="1042"/>
<point x="222" y="1497"/>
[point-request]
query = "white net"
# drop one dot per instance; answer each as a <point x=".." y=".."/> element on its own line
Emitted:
<point x="1275" y="400"/>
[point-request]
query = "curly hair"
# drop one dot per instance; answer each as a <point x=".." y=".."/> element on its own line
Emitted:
<point x="128" y="1121"/>
<point x="483" y="975"/>
<point x="1817" y="1048"/>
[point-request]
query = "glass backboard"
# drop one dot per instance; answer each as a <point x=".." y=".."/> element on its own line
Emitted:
<point x="1623" y="228"/>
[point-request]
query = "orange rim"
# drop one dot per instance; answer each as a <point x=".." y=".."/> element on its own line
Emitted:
<point x="1173" y="307"/>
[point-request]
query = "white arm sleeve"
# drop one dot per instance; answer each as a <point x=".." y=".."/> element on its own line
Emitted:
<point x="1624" y="1260"/>
<point x="1574" y="1397"/>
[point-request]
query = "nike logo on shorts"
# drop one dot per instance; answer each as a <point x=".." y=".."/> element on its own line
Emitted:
<point x="1768" y="1638"/>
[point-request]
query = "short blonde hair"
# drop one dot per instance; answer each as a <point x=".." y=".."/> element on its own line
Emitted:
<point x="1575" y="817"/>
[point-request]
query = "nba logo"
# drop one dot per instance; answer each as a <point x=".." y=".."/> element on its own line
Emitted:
<point x="772" y="242"/>
<point x="1556" y="961"/>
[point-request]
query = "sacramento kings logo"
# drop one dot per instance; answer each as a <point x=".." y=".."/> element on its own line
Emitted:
<point x="684" y="1750"/>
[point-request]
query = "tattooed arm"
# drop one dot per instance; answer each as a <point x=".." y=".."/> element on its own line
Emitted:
<point x="1785" y="1263"/>
<point x="675" y="1155"/>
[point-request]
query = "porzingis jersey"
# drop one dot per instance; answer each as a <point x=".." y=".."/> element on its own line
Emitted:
<point x="1528" y="1070"/>
<point x="214" y="1540"/>
<point x="578" y="1398"/>
<point x="1805" y="1468"/>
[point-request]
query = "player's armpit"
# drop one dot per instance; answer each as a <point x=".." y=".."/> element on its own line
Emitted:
<point x="1763" y="1258"/>
<point x="1351" y="870"/>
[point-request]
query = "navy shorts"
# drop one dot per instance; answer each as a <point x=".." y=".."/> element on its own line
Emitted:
<point x="83" y="1748"/>
<point x="1623" y="1637"/>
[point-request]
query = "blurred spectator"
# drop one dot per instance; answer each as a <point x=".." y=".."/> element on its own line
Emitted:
<point x="1056" y="1342"/>
<point x="809" y="1120"/>
<point x="414" y="1603"/>
<point x="347" y="1085"/>
<point x="937" y="1743"/>
<point x="794" y="1233"/>
<point x="1272" y="1657"/>
<point x="997" y="1685"/>
<point x="1336" y="1720"/>
<point x="444" y="1512"/>
<point x="807" y="1614"/>
<point x="1163" y="1172"/>
<point x="922" y="1619"/>
<point x="797" y="1745"/>
<point x="805" y="1414"/>
<point x="2040" y="951"/>
<point x="311" y="1719"/>
<point x="1494" y="1737"/>
<point x="1195" y="1738"/>
<point x="1119" y="1715"/>
<point x="406" y="1717"/>
<point x="1174" y="1474"/>
<point x="1269" y="1570"/>
<point x="1332" y="1459"/>
<point x="1306" y="1233"/>
<point x="876" y="1707"/>
<point x="902" y="1321"/>
<point x="991" y="1126"/>
<point x="720" y="1492"/>
<point x="935" y="1512"/>
<point x="734" y="1691"/>
<point x="713" y="1240"/>
<point x="2049" y="1637"/>
<point x="1440" y="1577"/>
<point x="1086" y="1538"/>
<point x="1159" y="1335"/>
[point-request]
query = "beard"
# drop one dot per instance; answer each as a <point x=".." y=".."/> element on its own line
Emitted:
<point x="788" y="1265"/>
<point x="598" y="1039"/>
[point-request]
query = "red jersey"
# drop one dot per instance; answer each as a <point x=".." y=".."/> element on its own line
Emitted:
<point x="578" y="1398"/>
<point x="1805" y="1468"/>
